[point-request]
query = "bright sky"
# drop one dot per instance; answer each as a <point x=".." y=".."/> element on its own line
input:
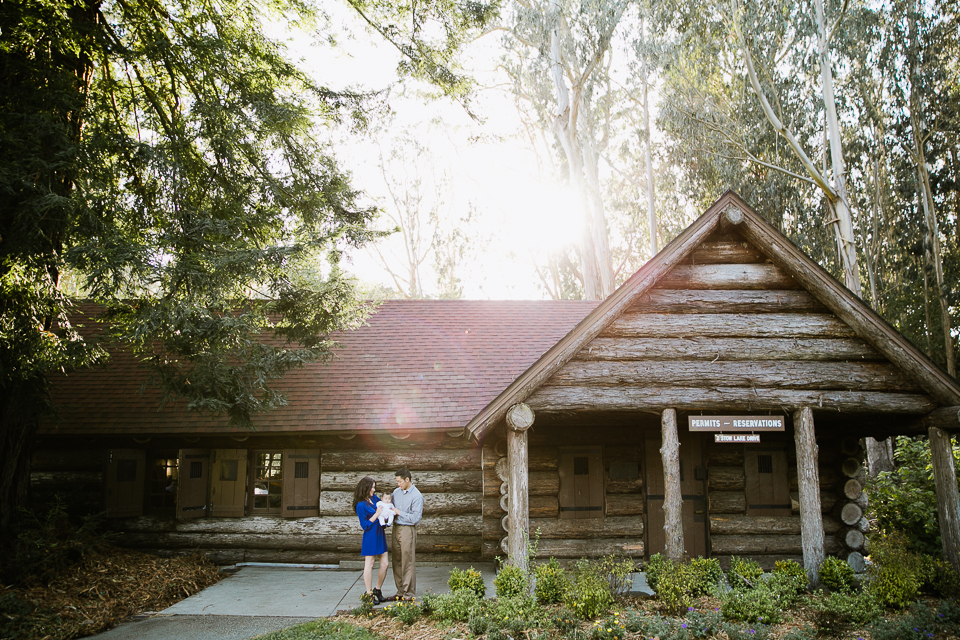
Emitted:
<point x="516" y="213"/>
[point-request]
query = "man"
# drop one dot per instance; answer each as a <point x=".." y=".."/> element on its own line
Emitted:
<point x="408" y="502"/>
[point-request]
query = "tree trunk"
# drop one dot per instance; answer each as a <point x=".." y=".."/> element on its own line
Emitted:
<point x="672" y="496"/>
<point x="648" y="155"/>
<point x="18" y="424"/>
<point x="948" y="499"/>
<point x="811" y="518"/>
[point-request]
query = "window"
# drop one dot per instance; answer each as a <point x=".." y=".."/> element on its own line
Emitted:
<point x="162" y="485"/>
<point x="267" y="481"/>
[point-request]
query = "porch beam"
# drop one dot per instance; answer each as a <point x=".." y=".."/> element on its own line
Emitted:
<point x="948" y="500"/>
<point x="672" y="496"/>
<point x="519" y="418"/>
<point x="808" y="481"/>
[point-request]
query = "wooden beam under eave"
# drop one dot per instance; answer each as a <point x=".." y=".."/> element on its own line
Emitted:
<point x="948" y="498"/>
<point x="672" y="495"/>
<point x="945" y="418"/>
<point x="808" y="480"/>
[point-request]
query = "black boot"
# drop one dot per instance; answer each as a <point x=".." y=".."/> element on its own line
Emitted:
<point x="370" y="597"/>
<point x="378" y="596"/>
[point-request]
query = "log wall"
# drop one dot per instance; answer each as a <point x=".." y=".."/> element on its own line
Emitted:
<point x="445" y="469"/>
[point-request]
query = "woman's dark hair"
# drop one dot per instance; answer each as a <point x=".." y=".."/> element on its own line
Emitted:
<point x="362" y="491"/>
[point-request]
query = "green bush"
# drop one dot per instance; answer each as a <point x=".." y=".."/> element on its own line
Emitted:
<point x="589" y="595"/>
<point x="895" y="574"/>
<point x="406" y="612"/>
<point x="618" y="570"/>
<point x="794" y="570"/>
<point x="836" y="574"/>
<point x="456" y="606"/>
<point x="675" y="587"/>
<point x="905" y="499"/>
<point x="551" y="582"/>
<point x="515" y="615"/>
<point x="839" y="610"/>
<point x="920" y="622"/>
<point x="323" y="629"/>
<point x="469" y="579"/>
<point x="47" y="543"/>
<point x="511" y="581"/>
<point x="743" y="573"/>
<point x="940" y="578"/>
<point x="707" y="575"/>
<point x="478" y="624"/>
<point x="655" y="567"/>
<point x="763" y="603"/>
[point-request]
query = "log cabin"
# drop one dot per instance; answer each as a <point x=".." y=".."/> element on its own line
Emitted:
<point x="714" y="405"/>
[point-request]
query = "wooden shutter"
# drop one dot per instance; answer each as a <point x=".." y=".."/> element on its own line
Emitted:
<point x="124" y="482"/>
<point x="228" y="483"/>
<point x="581" y="482"/>
<point x="301" y="483"/>
<point x="194" y="479"/>
<point x="767" y="486"/>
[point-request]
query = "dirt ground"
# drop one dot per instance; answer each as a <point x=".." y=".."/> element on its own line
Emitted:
<point x="107" y="586"/>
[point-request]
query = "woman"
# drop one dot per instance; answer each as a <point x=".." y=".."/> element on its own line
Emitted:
<point x="374" y="540"/>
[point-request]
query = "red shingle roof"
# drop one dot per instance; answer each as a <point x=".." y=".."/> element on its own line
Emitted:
<point x="417" y="364"/>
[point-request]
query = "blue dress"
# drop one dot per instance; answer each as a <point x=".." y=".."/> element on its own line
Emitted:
<point x="374" y="539"/>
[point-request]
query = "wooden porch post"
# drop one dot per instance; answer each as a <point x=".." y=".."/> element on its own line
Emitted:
<point x="672" y="497"/>
<point x="948" y="499"/>
<point x="519" y="418"/>
<point x="808" y="479"/>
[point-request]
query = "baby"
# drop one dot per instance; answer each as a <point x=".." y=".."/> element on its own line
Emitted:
<point x="387" y="511"/>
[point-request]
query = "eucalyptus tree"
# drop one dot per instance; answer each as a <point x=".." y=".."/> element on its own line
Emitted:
<point x="560" y="57"/>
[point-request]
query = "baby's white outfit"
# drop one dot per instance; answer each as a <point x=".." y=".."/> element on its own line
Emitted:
<point x="386" y="513"/>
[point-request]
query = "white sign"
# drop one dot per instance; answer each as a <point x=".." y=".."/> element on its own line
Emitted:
<point x="736" y="438"/>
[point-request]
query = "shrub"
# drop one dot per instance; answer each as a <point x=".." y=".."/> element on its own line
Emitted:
<point x="406" y="612"/>
<point x="836" y="574"/>
<point x="618" y="570"/>
<point x="837" y="611"/>
<point x="511" y="581"/>
<point x="762" y="603"/>
<point x="564" y="621"/>
<point x="551" y="582"/>
<point x="905" y="499"/>
<point x="744" y="573"/>
<point x="920" y="622"/>
<point x="457" y="606"/>
<point x="48" y="542"/>
<point x="794" y="570"/>
<point x="478" y="624"/>
<point x="589" y="595"/>
<point x="940" y="578"/>
<point x="895" y="573"/>
<point x="655" y="568"/>
<point x="707" y="575"/>
<point x="515" y="615"/>
<point x="470" y="579"/>
<point x="676" y="586"/>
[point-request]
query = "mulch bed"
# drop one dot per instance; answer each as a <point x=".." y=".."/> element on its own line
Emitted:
<point x="107" y="586"/>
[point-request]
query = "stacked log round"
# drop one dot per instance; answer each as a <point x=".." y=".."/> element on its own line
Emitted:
<point x="852" y="503"/>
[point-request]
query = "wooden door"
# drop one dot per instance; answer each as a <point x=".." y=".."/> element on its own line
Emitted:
<point x="581" y="482"/>
<point x="767" y="484"/>
<point x="228" y="482"/>
<point x="124" y="479"/>
<point x="192" y="483"/>
<point x="693" y="478"/>
<point x="301" y="483"/>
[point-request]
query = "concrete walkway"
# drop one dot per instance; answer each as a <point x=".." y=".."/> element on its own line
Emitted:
<point x="259" y="599"/>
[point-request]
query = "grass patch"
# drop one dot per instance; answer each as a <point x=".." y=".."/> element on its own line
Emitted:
<point x="322" y="630"/>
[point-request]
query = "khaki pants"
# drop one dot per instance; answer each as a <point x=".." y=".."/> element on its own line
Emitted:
<point x="405" y="560"/>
